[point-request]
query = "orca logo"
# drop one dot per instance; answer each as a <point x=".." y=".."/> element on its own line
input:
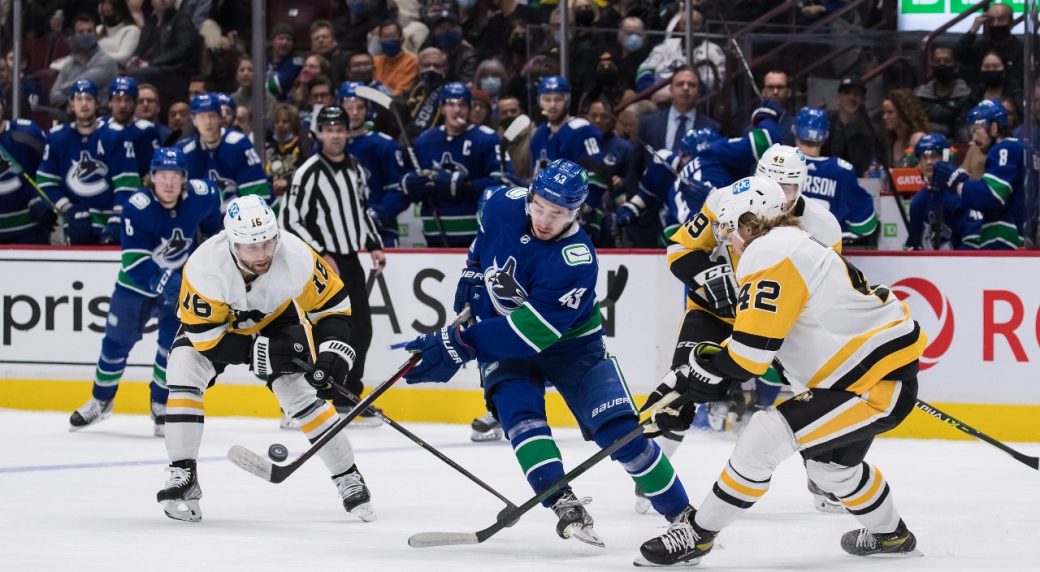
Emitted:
<point x="941" y="308"/>
<point x="447" y="163"/>
<point x="172" y="251"/>
<point x="9" y="171"/>
<point x="506" y="293"/>
<point x="87" y="176"/>
<point x="228" y="187"/>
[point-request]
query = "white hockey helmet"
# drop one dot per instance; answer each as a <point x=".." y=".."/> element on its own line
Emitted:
<point x="785" y="165"/>
<point x="249" y="220"/>
<point x="760" y="196"/>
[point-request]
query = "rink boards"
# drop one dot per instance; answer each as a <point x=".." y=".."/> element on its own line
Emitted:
<point x="981" y="313"/>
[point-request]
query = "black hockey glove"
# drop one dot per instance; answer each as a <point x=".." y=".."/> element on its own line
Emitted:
<point x="335" y="358"/>
<point x="272" y="355"/>
<point x="720" y="289"/>
<point x="704" y="383"/>
<point x="671" y="418"/>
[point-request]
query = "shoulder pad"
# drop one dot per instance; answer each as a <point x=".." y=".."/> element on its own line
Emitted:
<point x="233" y="136"/>
<point x="25" y="123"/>
<point x="516" y="193"/>
<point x="487" y="130"/>
<point x="577" y="255"/>
<point x="844" y="164"/>
<point x="735" y="139"/>
<point x="577" y="122"/>
<point x="382" y="135"/>
<point x="143" y="124"/>
<point x="112" y="125"/>
<point x="140" y="200"/>
<point x="200" y="187"/>
<point x="187" y="147"/>
<point x="58" y="128"/>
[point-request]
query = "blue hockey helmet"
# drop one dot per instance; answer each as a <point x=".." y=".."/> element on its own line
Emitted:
<point x="169" y="159"/>
<point x="205" y="102"/>
<point x="811" y="124"/>
<point x="348" y="90"/>
<point x="695" y="140"/>
<point x="554" y="84"/>
<point x="226" y="100"/>
<point x="562" y="183"/>
<point x="124" y="85"/>
<point x="83" y="86"/>
<point x="936" y="142"/>
<point x="986" y="111"/>
<point x="456" y="90"/>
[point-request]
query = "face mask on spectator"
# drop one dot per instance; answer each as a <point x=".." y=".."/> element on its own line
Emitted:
<point x="998" y="33"/>
<point x="448" y="39"/>
<point x="491" y="84"/>
<point x="110" y="21"/>
<point x="558" y="36"/>
<point x="362" y="77"/>
<point x="944" y="73"/>
<point x="390" y="47"/>
<point x="606" y="76"/>
<point x="83" y="43"/>
<point x="632" y="42"/>
<point x="518" y="45"/>
<point x="432" y="78"/>
<point x="992" y="78"/>
<point x="583" y="17"/>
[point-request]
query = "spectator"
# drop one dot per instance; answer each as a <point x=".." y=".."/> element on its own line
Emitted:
<point x="502" y="16"/>
<point x="1033" y="116"/>
<point x="313" y="66"/>
<point x="394" y="67"/>
<point x="664" y="129"/>
<point x="361" y="68"/>
<point x="472" y="20"/>
<point x="776" y="85"/>
<point x="519" y="148"/>
<point x="283" y="67"/>
<point x="178" y="119"/>
<point x="852" y="135"/>
<point x="284" y="152"/>
<point x="243" y="96"/>
<point x="243" y="121"/>
<point x="353" y="20"/>
<point x="319" y="94"/>
<point x="905" y="124"/>
<point x="605" y="84"/>
<point x="423" y="102"/>
<point x="490" y="77"/>
<point x="633" y="49"/>
<point x="32" y="94"/>
<point x="993" y="81"/>
<point x="480" y="110"/>
<point x="323" y="43"/>
<point x="945" y="98"/>
<point x="516" y="58"/>
<point x="615" y="13"/>
<point x="148" y="109"/>
<point x="119" y="34"/>
<point x="86" y="62"/>
<point x="585" y="45"/>
<point x="228" y="109"/>
<point x="165" y="55"/>
<point x="196" y="86"/>
<point x="461" y="57"/>
<point x="971" y="49"/>
<point x="670" y="54"/>
<point x="1012" y="110"/>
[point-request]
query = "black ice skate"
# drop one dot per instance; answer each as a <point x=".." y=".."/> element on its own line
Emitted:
<point x="180" y="497"/>
<point x="825" y="501"/>
<point x="93" y="411"/>
<point x="159" y="418"/>
<point x="356" y="498"/>
<point x="862" y="542"/>
<point x="575" y="521"/>
<point x="486" y="428"/>
<point x="682" y="545"/>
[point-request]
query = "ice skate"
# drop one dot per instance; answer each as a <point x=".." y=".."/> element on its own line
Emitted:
<point x="862" y="542"/>
<point x="93" y="411"/>
<point x="356" y="498"/>
<point x="159" y="418"/>
<point x="288" y="423"/>
<point x="642" y="503"/>
<point x="824" y="501"/>
<point x="486" y="428"/>
<point x="180" y="497"/>
<point x="575" y="521"/>
<point x="684" y="544"/>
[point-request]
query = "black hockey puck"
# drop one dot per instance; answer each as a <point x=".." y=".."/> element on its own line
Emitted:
<point x="278" y="452"/>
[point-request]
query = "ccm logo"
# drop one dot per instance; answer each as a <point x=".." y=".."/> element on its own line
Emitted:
<point x="609" y="404"/>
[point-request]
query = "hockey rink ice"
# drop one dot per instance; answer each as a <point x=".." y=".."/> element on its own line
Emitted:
<point x="86" y="501"/>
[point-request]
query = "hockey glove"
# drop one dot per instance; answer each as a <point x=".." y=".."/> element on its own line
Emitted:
<point x="113" y="227"/>
<point x="947" y="176"/>
<point x="167" y="286"/>
<point x="78" y="229"/>
<point x="447" y="185"/>
<point x="626" y="214"/>
<point x="704" y="383"/>
<point x="671" y="421"/>
<point x="469" y="289"/>
<point x="335" y="358"/>
<point x="720" y="290"/>
<point x="41" y="212"/>
<point x="443" y="353"/>
<point x="418" y="187"/>
<point x="768" y="109"/>
<point x="272" y="355"/>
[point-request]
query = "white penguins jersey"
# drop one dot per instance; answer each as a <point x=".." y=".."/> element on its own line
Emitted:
<point x="803" y="303"/>
<point x="215" y="299"/>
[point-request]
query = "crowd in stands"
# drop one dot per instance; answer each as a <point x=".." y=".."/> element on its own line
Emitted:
<point x="506" y="54"/>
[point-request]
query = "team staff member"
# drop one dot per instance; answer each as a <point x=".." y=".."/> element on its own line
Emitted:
<point x="327" y="206"/>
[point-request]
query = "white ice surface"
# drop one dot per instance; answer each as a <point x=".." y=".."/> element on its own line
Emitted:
<point x="86" y="501"/>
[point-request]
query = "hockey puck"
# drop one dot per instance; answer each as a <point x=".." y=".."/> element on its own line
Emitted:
<point x="278" y="452"/>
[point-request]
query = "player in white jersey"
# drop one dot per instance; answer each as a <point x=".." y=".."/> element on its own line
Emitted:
<point x="255" y="295"/>
<point x="850" y="349"/>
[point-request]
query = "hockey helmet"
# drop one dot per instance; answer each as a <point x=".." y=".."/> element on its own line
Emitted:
<point x="933" y="142"/>
<point x="348" y="90"/>
<point x="249" y="220"/>
<point x="696" y="140"/>
<point x="205" y="102"/>
<point x="986" y="111"/>
<point x="83" y="86"/>
<point x="554" y="84"/>
<point x="812" y="125"/>
<point x="760" y="196"/>
<point x="785" y="165"/>
<point x="331" y="115"/>
<point x="226" y="100"/>
<point x="563" y="183"/>
<point x="456" y="91"/>
<point x="124" y="85"/>
<point x="169" y="159"/>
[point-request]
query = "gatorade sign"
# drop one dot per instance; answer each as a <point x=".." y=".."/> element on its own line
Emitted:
<point x="928" y="15"/>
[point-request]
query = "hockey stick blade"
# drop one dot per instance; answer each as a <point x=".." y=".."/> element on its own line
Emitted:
<point x="431" y="539"/>
<point x="250" y="461"/>
<point x="517" y="127"/>
<point x="617" y="286"/>
<point x="374" y="95"/>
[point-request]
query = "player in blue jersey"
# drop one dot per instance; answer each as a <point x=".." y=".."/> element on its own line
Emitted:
<point x="938" y="218"/>
<point x="1000" y="194"/>
<point x="88" y="171"/>
<point x="143" y="134"/>
<point x="832" y="179"/>
<point x="725" y="160"/>
<point x="21" y="150"/>
<point x="530" y="281"/>
<point x="223" y="156"/>
<point x="161" y="225"/>
<point x="382" y="161"/>
<point x="457" y="161"/>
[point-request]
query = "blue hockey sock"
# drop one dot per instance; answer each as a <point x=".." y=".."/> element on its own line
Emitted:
<point x="765" y="393"/>
<point x="538" y="455"/>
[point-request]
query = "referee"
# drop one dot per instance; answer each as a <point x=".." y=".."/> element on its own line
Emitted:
<point x="327" y="207"/>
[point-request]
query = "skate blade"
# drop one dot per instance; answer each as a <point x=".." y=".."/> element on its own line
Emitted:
<point x="585" y="534"/>
<point x="186" y="510"/>
<point x="823" y="505"/>
<point x="644" y="563"/>
<point x="290" y="425"/>
<point x="74" y="428"/>
<point x="642" y="505"/>
<point x="915" y="553"/>
<point x="484" y="436"/>
<point x="364" y="511"/>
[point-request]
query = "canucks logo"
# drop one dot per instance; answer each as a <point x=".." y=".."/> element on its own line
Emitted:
<point x="87" y="176"/>
<point x="506" y="293"/>
<point x="9" y="171"/>
<point x="228" y="187"/>
<point x="448" y="164"/>
<point x="172" y="252"/>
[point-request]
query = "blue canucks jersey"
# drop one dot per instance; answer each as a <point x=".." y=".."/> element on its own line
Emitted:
<point x="940" y="221"/>
<point x="833" y="181"/>
<point x="95" y="171"/>
<point x="1000" y="197"/>
<point x="144" y="135"/>
<point x="21" y="150"/>
<point x="474" y="153"/>
<point x="726" y="160"/>
<point x="155" y="239"/>
<point x="541" y="294"/>
<point x="233" y="165"/>
<point x="686" y="196"/>
<point x="576" y="140"/>
<point x="281" y="75"/>
<point x="381" y="159"/>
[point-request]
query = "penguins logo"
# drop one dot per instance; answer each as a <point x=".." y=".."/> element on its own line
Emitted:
<point x="506" y="293"/>
<point x="86" y="177"/>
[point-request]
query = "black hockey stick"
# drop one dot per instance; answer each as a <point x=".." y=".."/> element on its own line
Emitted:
<point x="264" y="468"/>
<point x="948" y="419"/>
<point x="508" y="518"/>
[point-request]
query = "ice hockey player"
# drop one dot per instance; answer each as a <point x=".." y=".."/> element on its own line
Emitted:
<point x="832" y="179"/>
<point x="245" y="296"/>
<point x="939" y="219"/>
<point x="160" y="225"/>
<point x="457" y="161"/>
<point x="21" y="150"/>
<point x="87" y="172"/>
<point x="539" y="323"/>
<point x="1000" y="194"/>
<point x="805" y="306"/>
<point x="223" y="156"/>
<point x="141" y="133"/>
<point x="725" y="160"/>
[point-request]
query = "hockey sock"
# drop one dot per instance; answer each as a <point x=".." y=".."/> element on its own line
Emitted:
<point x="538" y="455"/>
<point x="644" y="461"/>
<point x="765" y="392"/>
<point x="157" y="387"/>
<point x="106" y="377"/>
<point x="862" y="490"/>
<point x="314" y="421"/>
<point x="184" y="422"/>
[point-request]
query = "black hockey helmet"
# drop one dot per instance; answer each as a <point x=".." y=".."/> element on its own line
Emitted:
<point x="331" y="115"/>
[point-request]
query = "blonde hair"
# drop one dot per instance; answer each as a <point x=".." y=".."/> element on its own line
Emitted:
<point x="761" y="226"/>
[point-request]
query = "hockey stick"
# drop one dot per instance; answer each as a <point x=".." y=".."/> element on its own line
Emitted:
<point x="430" y="539"/>
<point x="740" y="52"/>
<point x="519" y="124"/>
<point x="275" y="473"/>
<point x="948" y="419"/>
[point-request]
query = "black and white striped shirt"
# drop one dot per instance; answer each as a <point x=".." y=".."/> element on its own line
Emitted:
<point x="327" y="206"/>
